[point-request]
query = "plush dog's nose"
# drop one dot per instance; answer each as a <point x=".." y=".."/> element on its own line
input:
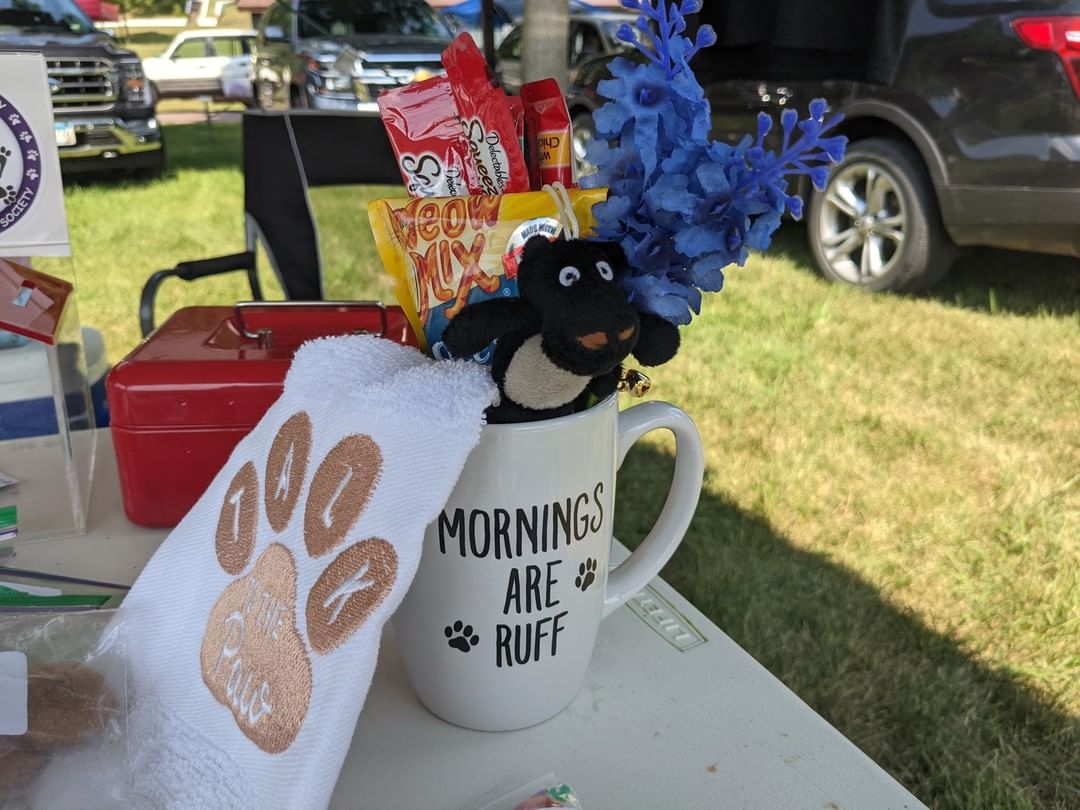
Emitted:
<point x="593" y="340"/>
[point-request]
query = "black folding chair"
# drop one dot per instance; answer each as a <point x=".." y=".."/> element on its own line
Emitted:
<point x="285" y="154"/>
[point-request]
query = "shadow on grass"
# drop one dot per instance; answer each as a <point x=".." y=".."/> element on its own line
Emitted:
<point x="148" y="38"/>
<point x="203" y="146"/>
<point x="1008" y="281"/>
<point x="982" y="279"/>
<point x="954" y="732"/>
<point x="187" y="147"/>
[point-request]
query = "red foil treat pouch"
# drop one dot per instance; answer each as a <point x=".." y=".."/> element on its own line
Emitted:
<point x="548" y="132"/>
<point x="425" y="133"/>
<point x="446" y="252"/>
<point x="487" y="119"/>
<point x="517" y="110"/>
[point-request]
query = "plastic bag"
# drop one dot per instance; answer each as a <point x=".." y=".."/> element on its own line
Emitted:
<point x="63" y="694"/>
<point x="547" y="791"/>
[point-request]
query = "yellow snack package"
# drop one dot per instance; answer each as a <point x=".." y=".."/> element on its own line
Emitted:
<point x="446" y="252"/>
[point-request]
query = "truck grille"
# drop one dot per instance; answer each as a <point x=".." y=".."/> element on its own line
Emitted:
<point x="82" y="84"/>
<point x="379" y="76"/>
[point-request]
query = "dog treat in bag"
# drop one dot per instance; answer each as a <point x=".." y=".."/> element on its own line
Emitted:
<point x="63" y="685"/>
<point x="425" y="133"/>
<point x="487" y="119"/>
<point x="446" y="252"/>
<point x="548" y="133"/>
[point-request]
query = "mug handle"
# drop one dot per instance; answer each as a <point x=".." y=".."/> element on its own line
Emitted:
<point x="656" y="549"/>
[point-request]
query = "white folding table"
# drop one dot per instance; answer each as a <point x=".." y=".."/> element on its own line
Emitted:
<point x="673" y="714"/>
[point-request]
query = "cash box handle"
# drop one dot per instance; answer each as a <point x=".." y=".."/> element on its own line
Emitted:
<point x="265" y="336"/>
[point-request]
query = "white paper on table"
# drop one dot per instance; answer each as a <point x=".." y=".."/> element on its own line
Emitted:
<point x="13" y="689"/>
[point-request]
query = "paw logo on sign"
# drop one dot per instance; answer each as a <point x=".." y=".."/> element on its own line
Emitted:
<point x="254" y="659"/>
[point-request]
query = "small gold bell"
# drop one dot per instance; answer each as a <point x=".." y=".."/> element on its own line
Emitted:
<point x="634" y="382"/>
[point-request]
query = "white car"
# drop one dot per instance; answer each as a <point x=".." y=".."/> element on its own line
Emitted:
<point x="213" y="63"/>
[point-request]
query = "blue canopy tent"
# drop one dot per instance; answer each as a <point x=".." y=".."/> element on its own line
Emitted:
<point x="470" y="13"/>
<point x="516" y="8"/>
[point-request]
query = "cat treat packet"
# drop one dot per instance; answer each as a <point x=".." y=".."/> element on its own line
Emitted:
<point x="425" y="133"/>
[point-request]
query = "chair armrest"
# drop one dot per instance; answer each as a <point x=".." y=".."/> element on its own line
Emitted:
<point x="189" y="271"/>
<point x="200" y="268"/>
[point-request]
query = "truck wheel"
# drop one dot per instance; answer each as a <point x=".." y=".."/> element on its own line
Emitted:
<point x="298" y="98"/>
<point x="264" y="95"/>
<point x="877" y="225"/>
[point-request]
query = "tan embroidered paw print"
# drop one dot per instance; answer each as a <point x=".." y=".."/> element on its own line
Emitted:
<point x="254" y="659"/>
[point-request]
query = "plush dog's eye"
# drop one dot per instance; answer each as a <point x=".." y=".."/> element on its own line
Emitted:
<point x="569" y="276"/>
<point x="605" y="271"/>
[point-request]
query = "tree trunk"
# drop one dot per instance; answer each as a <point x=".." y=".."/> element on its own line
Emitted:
<point x="544" y="42"/>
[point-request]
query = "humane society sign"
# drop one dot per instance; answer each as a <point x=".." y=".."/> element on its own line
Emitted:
<point x="32" y="220"/>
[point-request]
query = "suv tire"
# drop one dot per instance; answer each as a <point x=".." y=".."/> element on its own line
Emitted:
<point x="877" y="224"/>
<point x="584" y="131"/>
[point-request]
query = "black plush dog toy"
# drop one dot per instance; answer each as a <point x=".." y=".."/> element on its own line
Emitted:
<point x="566" y="335"/>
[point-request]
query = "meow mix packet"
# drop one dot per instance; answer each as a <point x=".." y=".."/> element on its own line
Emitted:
<point x="446" y="252"/>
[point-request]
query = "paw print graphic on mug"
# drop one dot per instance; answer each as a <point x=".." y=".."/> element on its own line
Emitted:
<point x="586" y="575"/>
<point x="460" y="636"/>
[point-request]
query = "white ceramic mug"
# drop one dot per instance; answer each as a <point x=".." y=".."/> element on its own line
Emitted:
<point x="499" y="624"/>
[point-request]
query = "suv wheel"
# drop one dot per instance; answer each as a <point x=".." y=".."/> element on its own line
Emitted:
<point x="583" y="132"/>
<point x="877" y="225"/>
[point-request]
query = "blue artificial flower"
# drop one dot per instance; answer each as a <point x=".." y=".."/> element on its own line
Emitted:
<point x="682" y="206"/>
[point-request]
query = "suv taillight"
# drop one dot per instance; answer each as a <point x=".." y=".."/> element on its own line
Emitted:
<point x="1058" y="34"/>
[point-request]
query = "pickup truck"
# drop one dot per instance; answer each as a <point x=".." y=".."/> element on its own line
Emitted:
<point x="301" y="61"/>
<point x="102" y="104"/>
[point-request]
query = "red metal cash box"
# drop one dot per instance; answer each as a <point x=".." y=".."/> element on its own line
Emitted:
<point x="184" y="398"/>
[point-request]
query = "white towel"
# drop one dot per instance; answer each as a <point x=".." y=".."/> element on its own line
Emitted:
<point x="255" y="628"/>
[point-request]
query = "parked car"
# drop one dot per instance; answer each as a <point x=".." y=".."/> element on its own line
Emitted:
<point x="102" y="104"/>
<point x="974" y="139"/>
<point x="205" y="62"/>
<point x="300" y="45"/>
<point x="591" y="36"/>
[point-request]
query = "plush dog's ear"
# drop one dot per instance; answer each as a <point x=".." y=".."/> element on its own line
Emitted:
<point x="658" y="340"/>
<point x="616" y="257"/>
<point x="536" y="247"/>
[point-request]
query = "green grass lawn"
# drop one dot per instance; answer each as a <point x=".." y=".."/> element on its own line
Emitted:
<point x="891" y="514"/>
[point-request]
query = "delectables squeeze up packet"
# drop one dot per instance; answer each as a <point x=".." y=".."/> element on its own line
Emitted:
<point x="446" y="252"/>
<point x="433" y="154"/>
<point x="486" y="117"/>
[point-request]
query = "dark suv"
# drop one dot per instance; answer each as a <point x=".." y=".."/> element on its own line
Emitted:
<point x="102" y="104"/>
<point x="963" y="118"/>
<point x="301" y="59"/>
